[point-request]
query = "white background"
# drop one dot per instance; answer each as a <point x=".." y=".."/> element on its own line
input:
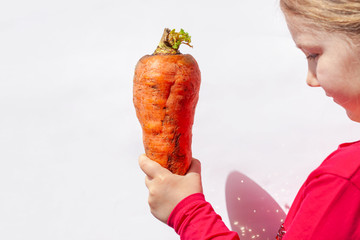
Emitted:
<point x="69" y="137"/>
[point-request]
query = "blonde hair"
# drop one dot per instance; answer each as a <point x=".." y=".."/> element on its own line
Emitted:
<point x="330" y="15"/>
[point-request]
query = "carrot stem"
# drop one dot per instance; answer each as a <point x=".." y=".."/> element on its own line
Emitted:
<point x="171" y="41"/>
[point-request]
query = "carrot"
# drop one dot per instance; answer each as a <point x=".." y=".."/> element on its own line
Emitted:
<point x="165" y="93"/>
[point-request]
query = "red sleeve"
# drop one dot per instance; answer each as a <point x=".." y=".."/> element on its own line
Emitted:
<point x="195" y="219"/>
<point x="330" y="209"/>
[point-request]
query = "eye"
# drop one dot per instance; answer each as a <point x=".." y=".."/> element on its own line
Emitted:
<point x="312" y="56"/>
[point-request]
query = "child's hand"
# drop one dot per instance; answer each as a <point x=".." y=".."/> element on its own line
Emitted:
<point x="166" y="189"/>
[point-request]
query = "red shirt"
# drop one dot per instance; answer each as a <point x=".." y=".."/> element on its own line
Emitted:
<point x="326" y="207"/>
<point x="328" y="204"/>
<point x="195" y="219"/>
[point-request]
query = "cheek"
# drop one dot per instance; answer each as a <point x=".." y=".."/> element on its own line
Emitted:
<point x="331" y="77"/>
<point x="344" y="88"/>
<point x="325" y="76"/>
<point x="340" y="79"/>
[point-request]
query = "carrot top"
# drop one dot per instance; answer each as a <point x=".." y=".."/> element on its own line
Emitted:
<point x="171" y="41"/>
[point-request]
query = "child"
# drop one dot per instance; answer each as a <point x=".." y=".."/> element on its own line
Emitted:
<point x="328" y="204"/>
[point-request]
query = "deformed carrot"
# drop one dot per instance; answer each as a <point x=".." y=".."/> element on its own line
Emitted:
<point x="165" y="94"/>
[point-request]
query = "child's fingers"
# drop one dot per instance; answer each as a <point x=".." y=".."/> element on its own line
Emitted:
<point x="195" y="166"/>
<point x="147" y="181"/>
<point x="150" y="167"/>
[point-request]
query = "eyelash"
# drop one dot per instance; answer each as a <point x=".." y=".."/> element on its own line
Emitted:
<point x="312" y="56"/>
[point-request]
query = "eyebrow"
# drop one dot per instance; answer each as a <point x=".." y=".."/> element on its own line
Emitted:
<point x="306" y="46"/>
<point x="299" y="45"/>
<point x="302" y="45"/>
<point x="304" y="42"/>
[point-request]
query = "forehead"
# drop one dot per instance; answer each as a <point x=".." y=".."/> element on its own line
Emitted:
<point x="311" y="38"/>
<point x="304" y="31"/>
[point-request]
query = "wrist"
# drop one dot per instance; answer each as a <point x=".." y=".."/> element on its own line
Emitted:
<point x="179" y="210"/>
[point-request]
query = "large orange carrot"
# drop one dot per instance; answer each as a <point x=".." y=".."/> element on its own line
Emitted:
<point x="165" y="94"/>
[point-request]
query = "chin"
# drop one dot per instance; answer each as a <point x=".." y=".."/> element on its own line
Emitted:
<point x="354" y="116"/>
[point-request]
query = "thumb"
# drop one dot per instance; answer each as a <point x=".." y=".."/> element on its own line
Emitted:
<point x="195" y="166"/>
<point x="150" y="167"/>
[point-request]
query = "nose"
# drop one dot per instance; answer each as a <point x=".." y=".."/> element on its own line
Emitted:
<point x="311" y="80"/>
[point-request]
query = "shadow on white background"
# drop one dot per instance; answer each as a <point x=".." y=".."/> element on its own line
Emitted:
<point x="69" y="137"/>
<point x="252" y="212"/>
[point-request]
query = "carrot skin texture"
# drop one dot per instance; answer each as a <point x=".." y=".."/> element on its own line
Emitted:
<point x="165" y="94"/>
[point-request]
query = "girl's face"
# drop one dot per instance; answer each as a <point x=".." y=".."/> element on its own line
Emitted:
<point x="333" y="63"/>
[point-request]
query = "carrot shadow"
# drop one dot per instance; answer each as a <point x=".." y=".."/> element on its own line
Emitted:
<point x="252" y="212"/>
